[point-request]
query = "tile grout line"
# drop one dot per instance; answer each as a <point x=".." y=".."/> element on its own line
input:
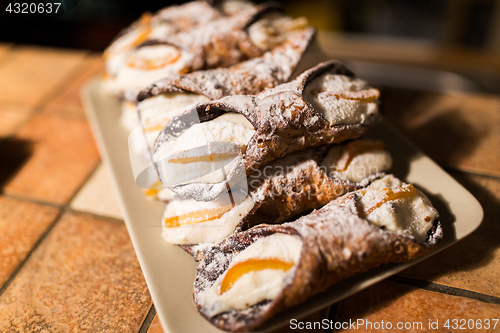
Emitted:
<point x="30" y="252"/>
<point x="148" y="319"/>
<point x="31" y="200"/>
<point x="91" y="173"/>
<point x="430" y="286"/>
<point x="62" y="210"/>
<point x="68" y="209"/>
<point x="65" y="206"/>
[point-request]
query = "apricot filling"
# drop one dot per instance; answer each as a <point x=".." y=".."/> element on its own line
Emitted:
<point x="137" y="61"/>
<point x="155" y="128"/>
<point x="198" y="216"/>
<point x="204" y="158"/>
<point x="251" y="265"/>
<point x="391" y="195"/>
<point x="155" y="188"/>
<point x="141" y="38"/>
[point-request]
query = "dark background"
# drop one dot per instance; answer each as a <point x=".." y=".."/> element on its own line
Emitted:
<point x="92" y="24"/>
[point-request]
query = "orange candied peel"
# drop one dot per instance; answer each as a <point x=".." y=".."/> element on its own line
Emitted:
<point x="138" y="62"/>
<point x="155" y="128"/>
<point x="204" y="158"/>
<point x="391" y="195"/>
<point x="251" y="265"/>
<point x="198" y="216"/>
<point x="143" y="34"/>
<point x="154" y="189"/>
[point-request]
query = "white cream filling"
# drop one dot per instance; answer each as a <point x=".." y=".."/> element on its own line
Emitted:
<point x="211" y="231"/>
<point x="339" y="111"/>
<point x="157" y="110"/>
<point x="129" y="119"/>
<point x="220" y="129"/>
<point x="273" y="29"/>
<point x="116" y="53"/>
<point x="165" y="60"/>
<point x="165" y="195"/>
<point x="413" y="215"/>
<point x="155" y="113"/>
<point x="255" y="286"/>
<point x="230" y="127"/>
<point x="360" y="167"/>
<point x="160" y="30"/>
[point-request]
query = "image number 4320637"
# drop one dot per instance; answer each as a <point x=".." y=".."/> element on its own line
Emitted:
<point x="52" y="8"/>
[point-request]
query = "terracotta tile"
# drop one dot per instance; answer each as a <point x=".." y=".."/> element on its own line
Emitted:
<point x="155" y="326"/>
<point x="63" y="155"/>
<point x="395" y="303"/>
<point x="458" y="131"/>
<point x="30" y="73"/>
<point x="13" y="117"/>
<point x="317" y="316"/>
<point x="4" y="47"/>
<point x="84" y="277"/>
<point x="97" y="196"/>
<point x="66" y="102"/>
<point x="21" y="225"/>
<point x="474" y="262"/>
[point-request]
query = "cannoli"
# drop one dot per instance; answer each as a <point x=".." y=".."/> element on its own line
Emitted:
<point x="281" y="190"/>
<point x="324" y="105"/>
<point x="246" y="78"/>
<point x="249" y="277"/>
<point x="221" y="42"/>
<point x="166" y="98"/>
<point x="170" y="20"/>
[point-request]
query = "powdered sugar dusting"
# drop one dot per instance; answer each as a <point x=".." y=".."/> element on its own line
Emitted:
<point x="246" y="78"/>
<point x="337" y="243"/>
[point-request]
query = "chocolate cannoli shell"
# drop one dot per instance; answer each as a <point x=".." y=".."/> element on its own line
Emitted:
<point x="284" y="121"/>
<point x="247" y="78"/>
<point x="337" y="244"/>
<point x="289" y="187"/>
<point x="222" y="42"/>
<point x="179" y="18"/>
<point x="297" y="184"/>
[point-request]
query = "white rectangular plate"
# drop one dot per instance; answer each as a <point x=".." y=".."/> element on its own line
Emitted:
<point x="170" y="272"/>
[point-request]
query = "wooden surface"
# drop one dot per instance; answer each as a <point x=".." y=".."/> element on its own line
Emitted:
<point x="66" y="261"/>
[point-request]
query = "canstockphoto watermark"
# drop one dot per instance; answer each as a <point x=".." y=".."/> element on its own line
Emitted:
<point x="430" y="324"/>
<point x="358" y="324"/>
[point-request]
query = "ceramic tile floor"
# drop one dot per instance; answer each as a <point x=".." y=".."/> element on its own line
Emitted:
<point x="66" y="260"/>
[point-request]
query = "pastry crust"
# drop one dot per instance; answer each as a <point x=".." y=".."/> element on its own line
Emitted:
<point x="219" y="43"/>
<point x="247" y="78"/>
<point x="178" y="17"/>
<point x="337" y="244"/>
<point x="289" y="187"/>
<point x="284" y="122"/>
<point x="196" y="36"/>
